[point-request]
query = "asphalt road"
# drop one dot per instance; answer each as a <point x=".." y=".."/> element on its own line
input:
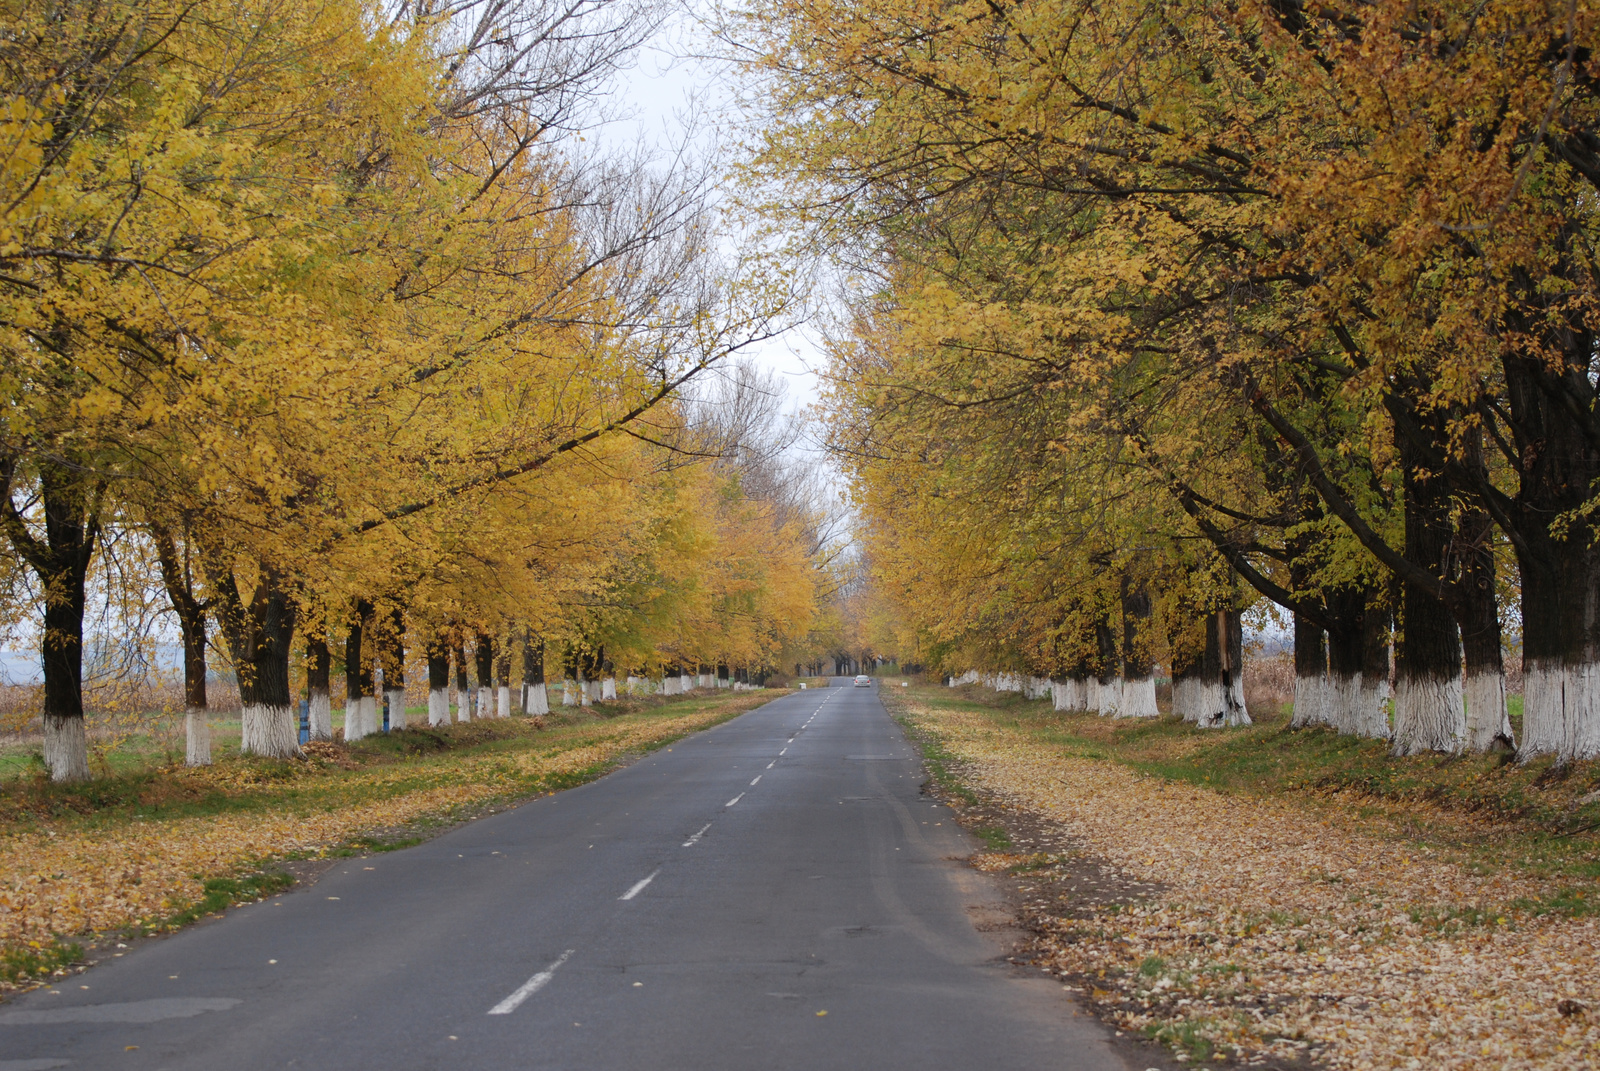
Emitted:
<point x="701" y="909"/>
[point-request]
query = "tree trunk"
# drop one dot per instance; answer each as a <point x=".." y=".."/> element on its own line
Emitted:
<point x="502" y="681"/>
<point x="1372" y="707"/>
<point x="61" y="562"/>
<point x="260" y="635"/>
<point x="439" y="679"/>
<point x="536" y="701"/>
<point x="1550" y="394"/>
<point x="360" y="708"/>
<point x="1428" y="711"/>
<point x="1107" y="687"/>
<point x="1224" y="672"/>
<point x="463" y="688"/>
<point x="191" y="615"/>
<point x="484" y="657"/>
<point x="392" y="652"/>
<point x="1346" y="656"/>
<point x="1186" y="641"/>
<point x="1478" y="614"/>
<point x="319" y="701"/>
<point x="1310" y="675"/>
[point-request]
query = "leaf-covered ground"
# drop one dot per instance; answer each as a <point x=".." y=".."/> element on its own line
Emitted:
<point x="1432" y="921"/>
<point x="139" y="853"/>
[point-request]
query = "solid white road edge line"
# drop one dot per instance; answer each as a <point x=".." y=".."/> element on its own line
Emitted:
<point x="735" y="799"/>
<point x="690" y="842"/>
<point x="638" y="886"/>
<point x="529" y="988"/>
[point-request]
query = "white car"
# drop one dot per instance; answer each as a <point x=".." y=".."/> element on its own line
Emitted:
<point x="863" y="681"/>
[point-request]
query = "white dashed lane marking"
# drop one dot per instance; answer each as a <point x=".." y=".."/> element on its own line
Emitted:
<point x="530" y="987"/>
<point x="638" y="886"/>
<point x="691" y="841"/>
<point x="735" y="799"/>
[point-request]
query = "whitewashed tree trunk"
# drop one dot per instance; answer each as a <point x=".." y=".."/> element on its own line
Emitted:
<point x="1238" y="712"/>
<point x="1428" y="715"/>
<point x="397" y="707"/>
<point x="438" y="706"/>
<point x="1186" y="702"/>
<point x="538" y="700"/>
<point x="1488" y="722"/>
<point x="463" y="703"/>
<point x="608" y="688"/>
<point x="1310" y="702"/>
<point x="66" y="748"/>
<point x="485" y="701"/>
<point x="686" y="683"/>
<point x="1109" y="698"/>
<point x="269" y="731"/>
<point x="1545" y="729"/>
<point x="1583" y="711"/>
<point x="569" y="693"/>
<point x="196" y="738"/>
<point x="370" y="718"/>
<point x="503" y="701"/>
<point x="1342" y="699"/>
<point x="1138" y="698"/>
<point x="1371" y="715"/>
<point x="319" y="714"/>
<point x="1207" y="700"/>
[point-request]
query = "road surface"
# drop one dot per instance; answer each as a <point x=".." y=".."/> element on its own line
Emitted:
<point x="771" y="893"/>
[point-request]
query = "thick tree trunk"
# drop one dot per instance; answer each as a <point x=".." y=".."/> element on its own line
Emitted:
<point x="439" y="679"/>
<point x="1372" y="705"/>
<point x="1428" y="711"/>
<point x="61" y="563"/>
<point x="260" y="638"/>
<point x="318" y="700"/>
<point x="1138" y="679"/>
<point x="1224" y="672"/>
<point x="1346" y="606"/>
<point x="1551" y="395"/>
<point x="1478" y="614"/>
<point x="1107" y="686"/>
<point x="1310" y="675"/>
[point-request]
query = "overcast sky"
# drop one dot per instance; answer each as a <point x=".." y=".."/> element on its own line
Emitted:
<point x="670" y="83"/>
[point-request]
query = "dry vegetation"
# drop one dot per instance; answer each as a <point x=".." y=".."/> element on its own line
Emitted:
<point x="1300" y="894"/>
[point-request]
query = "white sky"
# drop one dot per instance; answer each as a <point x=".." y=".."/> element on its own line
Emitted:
<point x="671" y="82"/>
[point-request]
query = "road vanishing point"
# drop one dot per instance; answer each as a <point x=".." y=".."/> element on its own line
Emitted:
<point x="775" y="892"/>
